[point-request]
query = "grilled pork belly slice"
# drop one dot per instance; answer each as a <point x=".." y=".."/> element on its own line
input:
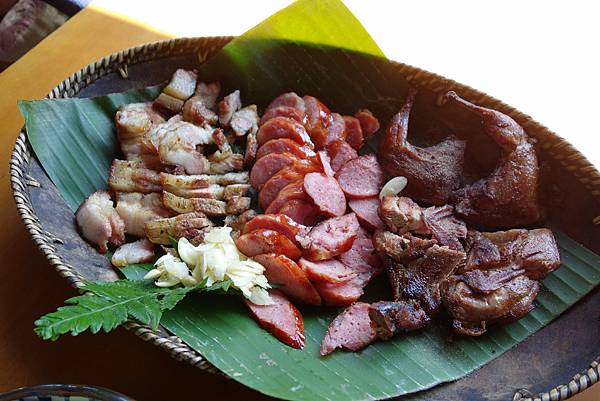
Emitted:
<point x="222" y="162"/>
<point x="210" y="207"/>
<point x="229" y="105"/>
<point x="132" y="176"/>
<point x="140" y="251"/>
<point x="188" y="225"/>
<point x="174" y="183"/>
<point x="99" y="222"/>
<point x="199" y="108"/>
<point x="136" y="209"/>
<point x="182" y="84"/>
<point x="238" y="204"/>
<point x="245" y="121"/>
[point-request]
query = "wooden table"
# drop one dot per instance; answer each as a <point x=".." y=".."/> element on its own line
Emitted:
<point x="30" y="288"/>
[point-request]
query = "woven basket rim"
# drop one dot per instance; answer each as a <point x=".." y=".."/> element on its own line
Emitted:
<point x="552" y="143"/>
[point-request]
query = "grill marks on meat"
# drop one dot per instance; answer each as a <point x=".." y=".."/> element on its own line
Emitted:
<point x="433" y="173"/>
<point x="351" y="330"/>
<point x="99" y="222"/>
<point x="509" y="196"/>
<point x="281" y="319"/>
<point x="187" y="225"/>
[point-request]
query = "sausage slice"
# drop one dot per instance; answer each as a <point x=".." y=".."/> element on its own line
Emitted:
<point x="361" y="178"/>
<point x="330" y="238"/>
<point x="325" y="193"/>
<point x="351" y="329"/>
<point x="267" y="241"/>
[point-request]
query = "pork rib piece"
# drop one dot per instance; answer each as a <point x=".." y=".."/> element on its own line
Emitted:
<point x="509" y="196"/>
<point x="434" y="172"/>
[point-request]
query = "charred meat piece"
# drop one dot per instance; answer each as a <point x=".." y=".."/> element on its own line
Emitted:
<point x="401" y="248"/>
<point x="420" y="279"/>
<point x="473" y="311"/>
<point x="390" y="318"/>
<point x="445" y="227"/>
<point x="280" y="269"/>
<point x="229" y="105"/>
<point x="133" y="122"/>
<point x="99" y="222"/>
<point x="136" y="209"/>
<point x="187" y="225"/>
<point x="432" y="172"/>
<point x="535" y="251"/>
<point x="140" y="251"/>
<point x="330" y="238"/>
<point x="132" y="176"/>
<point x="281" y="319"/>
<point x="351" y="329"/>
<point x="509" y="196"/>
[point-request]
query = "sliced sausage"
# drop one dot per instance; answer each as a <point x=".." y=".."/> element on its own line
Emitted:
<point x="302" y="212"/>
<point x="281" y="319"/>
<point x="361" y="257"/>
<point x="284" y="177"/>
<point x="282" y="127"/>
<point x="361" y="178"/>
<point x="354" y="134"/>
<point x="325" y="193"/>
<point x="323" y="158"/>
<point x="284" y="111"/>
<point x="277" y="222"/>
<point x="289" y="99"/>
<point x="342" y="294"/>
<point x="280" y="269"/>
<point x="326" y="271"/>
<point x="336" y="130"/>
<point x="294" y="190"/>
<point x="267" y="241"/>
<point x="340" y="153"/>
<point x="367" y="212"/>
<point x="283" y="145"/>
<point x="268" y="166"/>
<point x="351" y="329"/>
<point x="330" y="238"/>
<point x="318" y="120"/>
<point x="368" y="123"/>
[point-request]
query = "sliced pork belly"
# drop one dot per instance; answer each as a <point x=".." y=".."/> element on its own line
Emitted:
<point x="229" y="105"/>
<point x="133" y="122"/>
<point x="281" y="319"/>
<point x="188" y="225"/>
<point x="351" y="329"/>
<point x="222" y="162"/>
<point x="210" y="207"/>
<point x="99" y="222"/>
<point x="132" y="176"/>
<point x="182" y="84"/>
<point x="140" y="251"/>
<point x="174" y="183"/>
<point x="245" y="121"/>
<point x="237" y="204"/>
<point x="285" y="272"/>
<point x="136" y="209"/>
<point x="267" y="241"/>
<point x="330" y="238"/>
<point x="199" y="108"/>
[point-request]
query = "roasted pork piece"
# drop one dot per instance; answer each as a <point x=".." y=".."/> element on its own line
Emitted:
<point x="229" y="105"/>
<point x="433" y="173"/>
<point x="509" y="196"/>
<point x="187" y="225"/>
<point x="181" y="87"/>
<point x="136" y="209"/>
<point x="133" y="176"/>
<point x="238" y="223"/>
<point x="222" y="162"/>
<point x="391" y="318"/>
<point x="140" y="251"/>
<point x="210" y="207"/>
<point x="402" y="214"/>
<point x="199" y="108"/>
<point x="245" y="121"/>
<point x="99" y="222"/>
<point x="133" y="122"/>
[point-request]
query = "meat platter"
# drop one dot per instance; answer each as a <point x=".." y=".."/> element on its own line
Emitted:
<point x="329" y="215"/>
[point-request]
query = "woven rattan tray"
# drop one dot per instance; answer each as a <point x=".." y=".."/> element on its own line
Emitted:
<point x="543" y="361"/>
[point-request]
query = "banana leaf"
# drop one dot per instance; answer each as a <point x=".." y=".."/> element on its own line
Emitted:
<point x="317" y="48"/>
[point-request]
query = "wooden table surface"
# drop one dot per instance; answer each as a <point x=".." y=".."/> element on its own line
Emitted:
<point x="119" y="360"/>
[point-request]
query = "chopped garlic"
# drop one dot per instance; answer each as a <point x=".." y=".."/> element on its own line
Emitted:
<point x="393" y="187"/>
<point x="218" y="259"/>
<point x="170" y="271"/>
